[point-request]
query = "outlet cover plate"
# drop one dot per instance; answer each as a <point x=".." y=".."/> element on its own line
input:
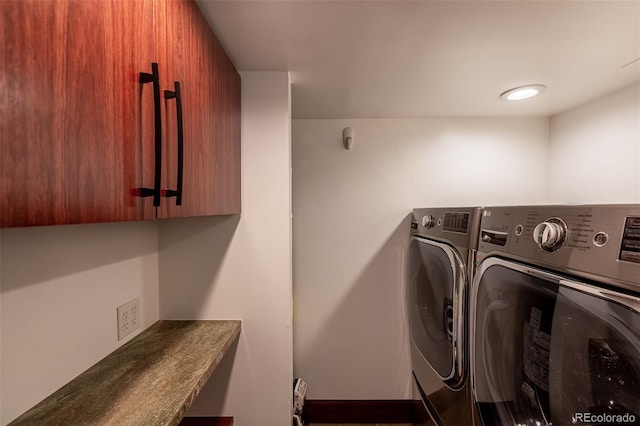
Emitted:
<point x="128" y="318"/>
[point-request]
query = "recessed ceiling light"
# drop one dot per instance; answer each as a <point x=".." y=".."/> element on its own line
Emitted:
<point x="523" y="92"/>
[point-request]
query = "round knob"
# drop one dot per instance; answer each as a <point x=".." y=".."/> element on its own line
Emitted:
<point x="551" y="234"/>
<point x="428" y="221"/>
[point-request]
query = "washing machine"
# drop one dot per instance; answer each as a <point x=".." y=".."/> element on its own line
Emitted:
<point x="443" y="241"/>
<point x="555" y="316"/>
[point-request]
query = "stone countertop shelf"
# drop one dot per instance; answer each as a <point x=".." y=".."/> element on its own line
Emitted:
<point x="150" y="380"/>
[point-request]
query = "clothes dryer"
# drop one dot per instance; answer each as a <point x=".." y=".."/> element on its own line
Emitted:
<point x="443" y="241"/>
<point x="555" y="316"/>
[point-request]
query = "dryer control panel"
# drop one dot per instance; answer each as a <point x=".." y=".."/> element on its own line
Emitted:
<point x="597" y="240"/>
<point x="457" y="226"/>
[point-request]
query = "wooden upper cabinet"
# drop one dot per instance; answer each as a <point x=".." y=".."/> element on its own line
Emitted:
<point x="78" y="128"/>
<point x="72" y="134"/>
<point x="210" y="106"/>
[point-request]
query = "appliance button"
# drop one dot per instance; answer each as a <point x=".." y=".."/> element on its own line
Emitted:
<point x="600" y="239"/>
<point x="519" y="230"/>
<point x="633" y="222"/>
<point x="428" y="221"/>
<point x="633" y="234"/>
<point x="630" y="256"/>
<point x="631" y="245"/>
<point x="551" y="234"/>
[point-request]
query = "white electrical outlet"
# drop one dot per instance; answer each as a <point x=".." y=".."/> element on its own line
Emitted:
<point x="128" y="318"/>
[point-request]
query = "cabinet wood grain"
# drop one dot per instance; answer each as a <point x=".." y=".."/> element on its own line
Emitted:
<point x="73" y="139"/>
<point x="77" y="126"/>
<point x="210" y="88"/>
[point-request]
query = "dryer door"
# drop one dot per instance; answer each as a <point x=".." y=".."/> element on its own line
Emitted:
<point x="548" y="349"/>
<point x="435" y="303"/>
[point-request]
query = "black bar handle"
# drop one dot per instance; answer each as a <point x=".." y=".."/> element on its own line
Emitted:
<point x="154" y="78"/>
<point x="175" y="94"/>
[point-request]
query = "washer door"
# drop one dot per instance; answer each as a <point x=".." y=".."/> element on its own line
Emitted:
<point x="435" y="302"/>
<point x="547" y="349"/>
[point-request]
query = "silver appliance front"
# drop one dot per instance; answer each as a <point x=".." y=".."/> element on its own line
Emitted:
<point x="555" y="316"/>
<point x="436" y="308"/>
<point x="435" y="301"/>
<point x="442" y="244"/>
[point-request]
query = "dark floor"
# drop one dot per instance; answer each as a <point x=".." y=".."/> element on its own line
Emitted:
<point x="359" y="424"/>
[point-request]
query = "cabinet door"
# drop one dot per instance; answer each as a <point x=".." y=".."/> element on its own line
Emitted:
<point x="210" y="96"/>
<point x="73" y="146"/>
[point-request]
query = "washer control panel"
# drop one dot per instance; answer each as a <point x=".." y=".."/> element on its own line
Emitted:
<point x="596" y="239"/>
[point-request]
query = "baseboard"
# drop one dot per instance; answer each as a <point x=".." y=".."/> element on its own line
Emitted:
<point x="358" y="411"/>
<point x="206" y="421"/>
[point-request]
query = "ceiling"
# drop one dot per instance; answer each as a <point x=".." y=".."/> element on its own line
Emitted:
<point x="394" y="58"/>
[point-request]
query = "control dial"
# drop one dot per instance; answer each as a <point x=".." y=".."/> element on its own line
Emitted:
<point x="428" y="221"/>
<point x="551" y="234"/>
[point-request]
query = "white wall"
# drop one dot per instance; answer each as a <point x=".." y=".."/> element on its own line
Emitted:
<point x="60" y="287"/>
<point x="351" y="231"/>
<point x="594" y="154"/>
<point x="240" y="267"/>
